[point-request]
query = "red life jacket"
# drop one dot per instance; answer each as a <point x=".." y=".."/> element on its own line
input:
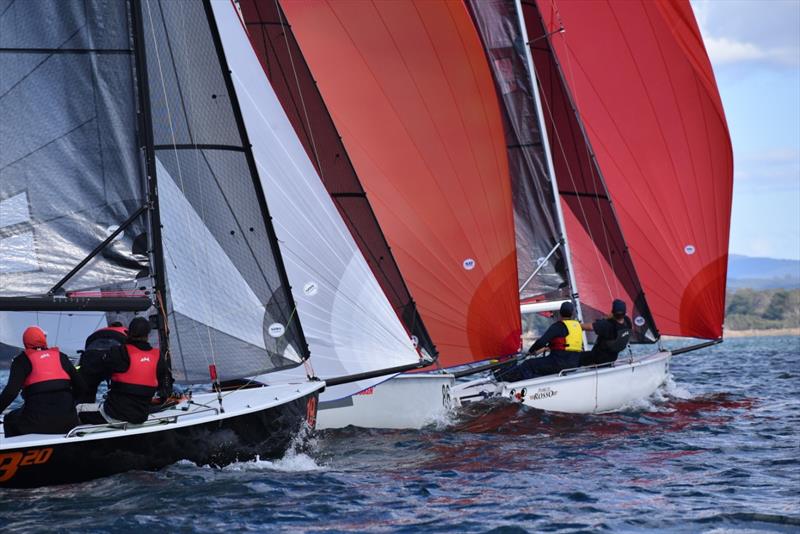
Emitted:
<point x="45" y="366"/>
<point x="142" y="370"/>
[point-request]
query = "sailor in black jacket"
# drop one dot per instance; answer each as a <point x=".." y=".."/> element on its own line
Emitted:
<point x="613" y="335"/>
<point x="137" y="372"/>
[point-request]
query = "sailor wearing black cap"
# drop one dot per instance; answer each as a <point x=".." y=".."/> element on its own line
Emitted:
<point x="564" y="338"/>
<point x="613" y="334"/>
<point x="138" y="372"/>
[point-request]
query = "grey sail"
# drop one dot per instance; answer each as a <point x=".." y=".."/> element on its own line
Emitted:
<point x="69" y="161"/>
<point x="535" y="219"/>
<point x="228" y="302"/>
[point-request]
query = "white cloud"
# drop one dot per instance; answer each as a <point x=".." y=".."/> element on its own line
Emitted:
<point x="723" y="50"/>
<point x="750" y="31"/>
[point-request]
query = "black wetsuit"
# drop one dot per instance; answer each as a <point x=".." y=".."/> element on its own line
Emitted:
<point x="93" y="365"/>
<point x="133" y="404"/>
<point x="555" y="362"/>
<point x="47" y="410"/>
<point x="612" y="338"/>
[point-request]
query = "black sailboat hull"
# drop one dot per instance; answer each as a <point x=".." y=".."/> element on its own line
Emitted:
<point x="267" y="433"/>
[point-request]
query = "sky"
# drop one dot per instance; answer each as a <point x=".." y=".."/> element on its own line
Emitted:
<point x="754" y="47"/>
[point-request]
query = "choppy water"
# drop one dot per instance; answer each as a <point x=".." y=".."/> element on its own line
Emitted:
<point x="716" y="450"/>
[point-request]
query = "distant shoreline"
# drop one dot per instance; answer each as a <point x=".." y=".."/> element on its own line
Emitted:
<point x="769" y="332"/>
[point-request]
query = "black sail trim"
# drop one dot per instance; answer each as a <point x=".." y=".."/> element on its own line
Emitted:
<point x="251" y="163"/>
<point x="189" y="146"/>
<point x="583" y="194"/>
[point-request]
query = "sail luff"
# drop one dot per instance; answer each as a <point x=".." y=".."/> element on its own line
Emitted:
<point x="540" y="258"/>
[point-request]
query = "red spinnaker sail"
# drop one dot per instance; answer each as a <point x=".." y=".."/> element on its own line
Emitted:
<point x="645" y="92"/>
<point x="411" y="94"/>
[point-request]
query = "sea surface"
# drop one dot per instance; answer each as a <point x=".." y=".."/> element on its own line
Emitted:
<point x="717" y="449"/>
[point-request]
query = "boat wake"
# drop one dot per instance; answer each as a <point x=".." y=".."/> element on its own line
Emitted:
<point x="662" y="400"/>
<point x="292" y="462"/>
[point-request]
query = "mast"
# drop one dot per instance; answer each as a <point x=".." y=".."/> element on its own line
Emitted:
<point x="146" y="143"/>
<point x="548" y="156"/>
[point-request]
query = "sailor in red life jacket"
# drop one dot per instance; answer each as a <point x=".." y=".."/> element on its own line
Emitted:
<point x="137" y="373"/>
<point x="48" y="382"/>
<point x="564" y="338"/>
<point x="93" y="365"/>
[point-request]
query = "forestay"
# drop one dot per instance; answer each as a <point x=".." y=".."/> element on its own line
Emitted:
<point x="348" y="322"/>
<point x="410" y="92"/>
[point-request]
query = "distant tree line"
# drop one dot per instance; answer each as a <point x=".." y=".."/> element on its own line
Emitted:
<point x="747" y="309"/>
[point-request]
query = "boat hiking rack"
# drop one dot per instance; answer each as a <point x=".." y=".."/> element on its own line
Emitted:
<point x="83" y="430"/>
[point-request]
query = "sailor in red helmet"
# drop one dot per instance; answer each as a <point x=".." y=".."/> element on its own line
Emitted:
<point x="138" y="372"/>
<point x="48" y="382"/>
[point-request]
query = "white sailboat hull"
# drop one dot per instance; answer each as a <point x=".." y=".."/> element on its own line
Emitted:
<point x="584" y="390"/>
<point x="404" y="402"/>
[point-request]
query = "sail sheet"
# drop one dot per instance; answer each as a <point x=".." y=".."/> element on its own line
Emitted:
<point x="538" y="235"/>
<point x="350" y="326"/>
<point x="291" y="79"/>
<point x="411" y="94"/>
<point x="228" y="302"/>
<point x="69" y="159"/>
<point x="648" y="102"/>
<point x="604" y="269"/>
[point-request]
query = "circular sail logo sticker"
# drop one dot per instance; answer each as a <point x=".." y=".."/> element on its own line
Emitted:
<point x="639" y="320"/>
<point x="539" y="261"/>
<point x="276" y="330"/>
<point x="469" y="264"/>
<point x="689" y="249"/>
<point x="414" y="341"/>
<point x="310" y="289"/>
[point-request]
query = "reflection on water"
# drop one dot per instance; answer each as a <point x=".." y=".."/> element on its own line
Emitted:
<point x="716" y="449"/>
